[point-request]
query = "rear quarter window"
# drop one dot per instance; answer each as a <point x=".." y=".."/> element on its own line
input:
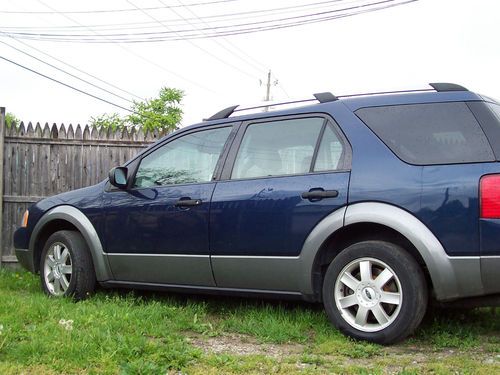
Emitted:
<point x="431" y="133"/>
<point x="488" y="115"/>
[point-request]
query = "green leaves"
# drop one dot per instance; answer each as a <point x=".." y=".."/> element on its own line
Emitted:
<point x="11" y="120"/>
<point x="113" y="121"/>
<point x="162" y="113"/>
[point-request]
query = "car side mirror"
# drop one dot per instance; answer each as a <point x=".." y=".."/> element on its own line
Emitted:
<point x="118" y="177"/>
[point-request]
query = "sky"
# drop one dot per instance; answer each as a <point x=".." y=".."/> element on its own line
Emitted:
<point x="403" y="47"/>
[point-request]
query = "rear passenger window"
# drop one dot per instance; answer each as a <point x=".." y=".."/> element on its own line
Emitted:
<point x="274" y="148"/>
<point x="330" y="153"/>
<point x="434" y="133"/>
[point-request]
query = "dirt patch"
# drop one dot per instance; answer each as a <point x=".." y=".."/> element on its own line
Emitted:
<point x="392" y="359"/>
<point x="424" y="353"/>
<point x="241" y="345"/>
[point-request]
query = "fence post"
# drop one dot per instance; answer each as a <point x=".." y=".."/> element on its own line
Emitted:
<point x="2" y="133"/>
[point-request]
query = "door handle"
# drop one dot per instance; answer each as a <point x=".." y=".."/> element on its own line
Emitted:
<point x="188" y="202"/>
<point x="317" y="194"/>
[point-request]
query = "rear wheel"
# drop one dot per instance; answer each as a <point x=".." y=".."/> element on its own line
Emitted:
<point x="66" y="267"/>
<point x="375" y="291"/>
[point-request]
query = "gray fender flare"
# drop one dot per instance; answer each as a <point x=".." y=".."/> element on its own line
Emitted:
<point x="452" y="277"/>
<point x="83" y="224"/>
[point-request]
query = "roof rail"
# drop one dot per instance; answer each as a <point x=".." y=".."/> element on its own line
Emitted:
<point x="445" y="86"/>
<point x="439" y="87"/>
<point x="225" y="113"/>
<point x="384" y="93"/>
<point x="323" y="97"/>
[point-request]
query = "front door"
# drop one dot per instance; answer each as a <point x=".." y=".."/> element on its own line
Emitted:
<point x="282" y="177"/>
<point x="157" y="231"/>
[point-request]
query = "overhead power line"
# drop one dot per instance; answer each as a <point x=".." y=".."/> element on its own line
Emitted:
<point x="194" y="44"/>
<point x="73" y="67"/>
<point x="119" y="44"/>
<point x="114" y="10"/>
<point x="247" y="59"/>
<point x="205" y="19"/>
<point x="66" y="72"/>
<point x="67" y="85"/>
<point x="218" y="31"/>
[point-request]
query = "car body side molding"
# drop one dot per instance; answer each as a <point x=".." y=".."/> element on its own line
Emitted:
<point x="83" y="224"/>
<point x="324" y="229"/>
<point x="452" y="277"/>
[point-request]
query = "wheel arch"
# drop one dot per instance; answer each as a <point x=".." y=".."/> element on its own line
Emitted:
<point x="450" y="277"/>
<point x="67" y="217"/>
<point x="358" y="232"/>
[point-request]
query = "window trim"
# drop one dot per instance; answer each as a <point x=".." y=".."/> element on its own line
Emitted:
<point x="218" y="165"/>
<point x="230" y="159"/>
<point x="317" y="145"/>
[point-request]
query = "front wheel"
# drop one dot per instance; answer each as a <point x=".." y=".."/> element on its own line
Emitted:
<point x="66" y="267"/>
<point x="375" y="291"/>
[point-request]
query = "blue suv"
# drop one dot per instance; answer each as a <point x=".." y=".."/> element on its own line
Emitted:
<point x="372" y="204"/>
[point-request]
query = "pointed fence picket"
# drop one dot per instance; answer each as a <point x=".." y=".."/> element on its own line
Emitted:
<point x="38" y="161"/>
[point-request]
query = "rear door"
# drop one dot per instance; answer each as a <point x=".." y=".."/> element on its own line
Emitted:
<point x="281" y="178"/>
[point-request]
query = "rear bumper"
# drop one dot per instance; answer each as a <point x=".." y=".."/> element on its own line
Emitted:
<point x="23" y="254"/>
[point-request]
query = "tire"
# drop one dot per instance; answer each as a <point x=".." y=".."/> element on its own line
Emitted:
<point x="66" y="267"/>
<point x="375" y="291"/>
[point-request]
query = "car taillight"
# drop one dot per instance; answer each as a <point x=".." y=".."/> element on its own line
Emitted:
<point x="489" y="195"/>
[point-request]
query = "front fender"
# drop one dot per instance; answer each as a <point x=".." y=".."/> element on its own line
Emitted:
<point x="83" y="224"/>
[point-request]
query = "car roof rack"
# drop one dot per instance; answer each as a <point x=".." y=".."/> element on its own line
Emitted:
<point x="322" y="97"/>
<point x="225" y="113"/>
<point x="438" y="87"/>
<point x="445" y="86"/>
<point x="326" y="97"/>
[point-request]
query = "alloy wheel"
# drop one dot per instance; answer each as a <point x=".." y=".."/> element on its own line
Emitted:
<point x="368" y="294"/>
<point x="58" y="268"/>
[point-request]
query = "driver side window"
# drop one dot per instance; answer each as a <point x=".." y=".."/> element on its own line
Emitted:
<point x="189" y="159"/>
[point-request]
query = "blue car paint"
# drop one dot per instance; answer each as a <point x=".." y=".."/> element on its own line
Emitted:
<point x="267" y="216"/>
<point x="450" y="206"/>
<point x="444" y="197"/>
<point x="87" y="199"/>
<point x="147" y="220"/>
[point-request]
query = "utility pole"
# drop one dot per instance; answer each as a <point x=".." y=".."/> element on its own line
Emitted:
<point x="268" y="91"/>
<point x="267" y="98"/>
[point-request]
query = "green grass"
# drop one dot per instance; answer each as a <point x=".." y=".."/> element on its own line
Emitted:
<point x="118" y="332"/>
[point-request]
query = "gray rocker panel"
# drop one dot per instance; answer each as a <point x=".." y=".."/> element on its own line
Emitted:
<point x="287" y="274"/>
<point x="257" y="272"/>
<point x="162" y="268"/>
<point x="490" y="265"/>
<point x="83" y="224"/>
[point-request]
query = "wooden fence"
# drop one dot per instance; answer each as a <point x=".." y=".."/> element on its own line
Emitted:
<point x="40" y="161"/>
